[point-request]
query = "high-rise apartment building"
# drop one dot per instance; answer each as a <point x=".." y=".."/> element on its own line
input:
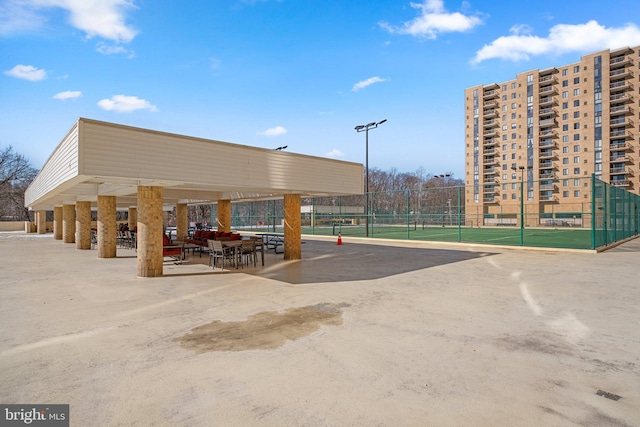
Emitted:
<point x="552" y="129"/>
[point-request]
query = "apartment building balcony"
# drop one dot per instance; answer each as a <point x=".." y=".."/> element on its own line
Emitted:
<point x="620" y="121"/>
<point x="548" y="79"/>
<point x="490" y="113"/>
<point x="489" y="142"/>
<point x="491" y="189"/>
<point x="621" y="183"/>
<point x="619" y="147"/>
<point x="548" y="143"/>
<point x="490" y="179"/>
<point x="548" y="197"/>
<point x="549" y="187"/>
<point x="490" y="123"/>
<point x="548" y="122"/>
<point x="619" y="61"/>
<point x="490" y="199"/>
<point x="492" y="161"/>
<point x="547" y="100"/>
<point x="548" y="90"/>
<point x="618" y="170"/>
<point x="490" y="152"/>
<point x="615" y="158"/>
<point x="547" y="133"/>
<point x="547" y="154"/>
<point x="621" y="86"/>
<point x="547" y="112"/>
<point x="491" y="132"/>
<point x="621" y="97"/>
<point x="622" y="73"/>
<point x="547" y="164"/>
<point x="621" y="134"/>
<point x="490" y="94"/>
<point x="489" y="171"/>
<point x="620" y="110"/>
<point x="490" y="103"/>
<point x="548" y="174"/>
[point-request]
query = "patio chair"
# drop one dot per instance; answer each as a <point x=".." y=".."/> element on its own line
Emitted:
<point x="217" y="252"/>
<point x="246" y="251"/>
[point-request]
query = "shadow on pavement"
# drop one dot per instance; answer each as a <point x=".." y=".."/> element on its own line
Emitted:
<point x="328" y="262"/>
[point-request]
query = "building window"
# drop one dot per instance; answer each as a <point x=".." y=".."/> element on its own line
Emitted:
<point x="565" y="116"/>
<point x="505" y="186"/>
<point x="576" y="92"/>
<point x="576" y="148"/>
<point x="565" y="182"/>
<point x="514" y="106"/>
<point x="504" y="108"/>
<point x="513" y="95"/>
<point x="565" y="171"/>
<point x="576" y="137"/>
<point x="565" y="150"/>
<point x="565" y="194"/>
<point x="504" y="157"/>
<point x="565" y="105"/>
<point x="504" y="88"/>
<point x="565" y="128"/>
<point x="576" y="171"/>
<point x="576" y="114"/>
<point x="513" y="85"/>
<point x="513" y="146"/>
<point x="565" y="160"/>
<point x="576" y="103"/>
<point x="576" y="80"/>
<point x="514" y="136"/>
<point x="576" y="125"/>
<point x="565" y="83"/>
<point x="513" y="116"/>
<point x="514" y="176"/>
<point x="576" y="182"/>
<point x="576" y="159"/>
<point x="576" y="193"/>
<point x="513" y="196"/>
<point x="504" y="147"/>
<point x="514" y="186"/>
<point x="504" y="197"/>
<point x="504" y="177"/>
<point x="565" y="138"/>
<point x="565" y="94"/>
<point x="564" y="72"/>
<point x="504" y="127"/>
<point x="513" y="126"/>
<point x="576" y="69"/>
<point x="504" y="97"/>
<point x="513" y="156"/>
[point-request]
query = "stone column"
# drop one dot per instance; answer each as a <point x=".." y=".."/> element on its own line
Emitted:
<point x="132" y="217"/>
<point x="41" y="222"/>
<point x="224" y="215"/>
<point x="107" y="227"/>
<point x="182" y="221"/>
<point x="57" y="222"/>
<point x="150" y="224"/>
<point x="83" y="225"/>
<point x="68" y="223"/>
<point x="292" y="233"/>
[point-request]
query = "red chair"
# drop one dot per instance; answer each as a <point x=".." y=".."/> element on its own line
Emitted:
<point x="171" y="251"/>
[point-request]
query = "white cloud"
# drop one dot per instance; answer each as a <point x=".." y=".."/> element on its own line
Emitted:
<point x="27" y="72"/>
<point x="69" y="94"/>
<point x="562" y="39"/>
<point x="434" y="19"/>
<point x="334" y="153"/>
<point x="107" y="49"/>
<point x="368" y="82"/>
<point x="101" y="18"/>
<point x="275" y="131"/>
<point x="126" y="104"/>
<point x="17" y="16"/>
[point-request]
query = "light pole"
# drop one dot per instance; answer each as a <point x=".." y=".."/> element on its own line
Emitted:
<point x="443" y="176"/>
<point x="365" y="129"/>
<point x="522" y="168"/>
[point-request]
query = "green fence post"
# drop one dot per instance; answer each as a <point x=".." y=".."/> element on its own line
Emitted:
<point x="408" y="214"/>
<point x="593" y="211"/>
<point x="459" y="228"/>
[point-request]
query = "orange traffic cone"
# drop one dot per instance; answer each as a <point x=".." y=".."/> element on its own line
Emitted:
<point x="339" y="239"/>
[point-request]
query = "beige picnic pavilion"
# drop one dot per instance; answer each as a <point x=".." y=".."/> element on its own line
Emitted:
<point x="108" y="166"/>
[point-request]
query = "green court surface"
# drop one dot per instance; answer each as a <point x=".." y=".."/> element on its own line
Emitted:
<point x="570" y="238"/>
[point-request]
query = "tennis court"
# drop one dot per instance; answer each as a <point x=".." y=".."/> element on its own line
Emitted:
<point x="570" y="238"/>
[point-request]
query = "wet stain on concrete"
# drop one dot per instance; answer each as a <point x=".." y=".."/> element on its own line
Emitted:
<point x="262" y="331"/>
<point x="539" y="342"/>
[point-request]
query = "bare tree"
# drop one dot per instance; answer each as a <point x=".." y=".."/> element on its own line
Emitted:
<point x="16" y="174"/>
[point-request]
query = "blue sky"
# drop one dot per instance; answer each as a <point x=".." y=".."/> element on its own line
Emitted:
<point x="271" y="73"/>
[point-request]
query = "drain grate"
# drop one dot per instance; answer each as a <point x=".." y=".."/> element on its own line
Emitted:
<point x="608" y="395"/>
